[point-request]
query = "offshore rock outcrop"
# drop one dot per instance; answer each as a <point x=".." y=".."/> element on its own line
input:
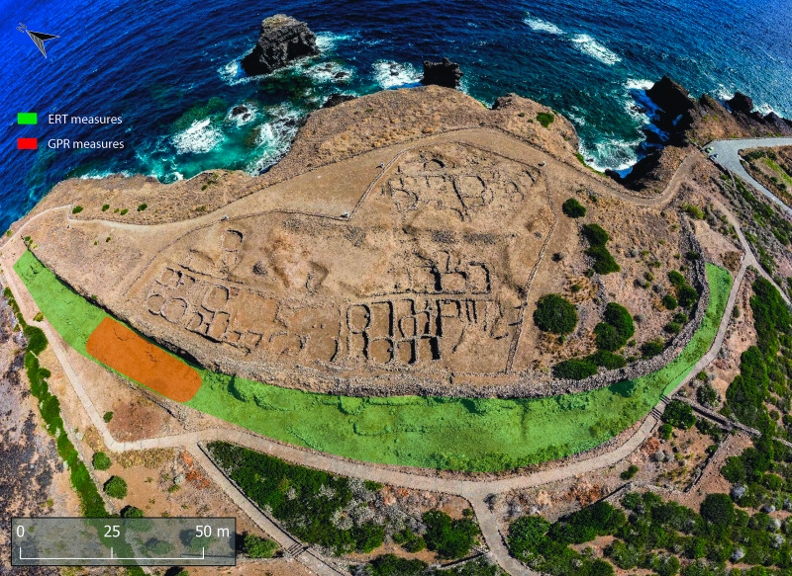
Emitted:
<point x="282" y="39"/>
<point x="444" y="73"/>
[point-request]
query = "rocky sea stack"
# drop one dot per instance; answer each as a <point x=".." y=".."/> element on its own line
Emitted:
<point x="281" y="40"/>
<point x="444" y="73"/>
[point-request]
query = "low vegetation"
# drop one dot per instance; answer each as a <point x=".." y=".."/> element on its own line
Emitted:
<point x="320" y="508"/>
<point x="598" y="251"/>
<point x="545" y="118"/>
<point x="91" y="502"/>
<point x="392" y="565"/>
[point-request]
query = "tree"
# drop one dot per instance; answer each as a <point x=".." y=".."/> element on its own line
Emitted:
<point x="101" y="461"/>
<point x="718" y="509"/>
<point x="527" y="536"/>
<point x="392" y="565"/>
<point x="257" y="547"/>
<point x="555" y="314"/>
<point x="573" y="208"/>
<point x="116" y="487"/>
<point x="449" y="538"/>
<point x="679" y="414"/>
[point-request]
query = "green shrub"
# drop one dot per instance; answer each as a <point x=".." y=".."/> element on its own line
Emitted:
<point x="573" y="208"/>
<point x="105" y="207"/>
<point x="665" y="431"/>
<point x="409" y="540"/>
<point x="449" y="538"/>
<point x="555" y="314"/>
<point x="107" y="416"/>
<point x="77" y="209"/>
<point x="595" y="234"/>
<point x="607" y="360"/>
<point x="124" y="211"/>
<point x="545" y="118"/>
<point x="257" y="547"/>
<point x="38" y="317"/>
<point x="672" y="328"/>
<point x="681" y="318"/>
<point x="679" y="415"/>
<point x="37" y="341"/>
<point x="652" y="348"/>
<point x="707" y="395"/>
<point x="130" y="511"/>
<point x="603" y="260"/>
<point x="670" y="302"/>
<point x="116" y="487"/>
<point x="142" y="207"/>
<point x="676" y="279"/>
<point x="575" y="368"/>
<point x="392" y="565"/>
<point x="718" y="509"/>
<point x="693" y="211"/>
<point x="687" y="295"/>
<point x="101" y="461"/>
<point x="628" y="474"/>
<point x="599" y="519"/>
<point x="527" y="536"/>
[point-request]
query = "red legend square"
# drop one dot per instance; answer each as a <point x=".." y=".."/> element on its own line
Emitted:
<point x="27" y="143"/>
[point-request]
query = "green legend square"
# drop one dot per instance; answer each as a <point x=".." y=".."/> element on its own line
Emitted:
<point x="27" y="118"/>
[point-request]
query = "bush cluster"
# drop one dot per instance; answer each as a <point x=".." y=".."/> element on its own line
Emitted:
<point x="91" y="502"/>
<point x="304" y="500"/>
<point x="392" y="565"/>
<point x="616" y="330"/>
<point x="598" y="251"/>
<point x="764" y="368"/>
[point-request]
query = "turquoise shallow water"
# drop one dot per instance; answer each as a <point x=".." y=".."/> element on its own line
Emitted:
<point x="170" y="69"/>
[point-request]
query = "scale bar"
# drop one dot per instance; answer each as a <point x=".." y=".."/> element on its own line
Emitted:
<point x="145" y="559"/>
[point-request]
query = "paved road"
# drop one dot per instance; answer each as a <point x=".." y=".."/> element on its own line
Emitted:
<point x="726" y="153"/>
<point x="477" y="492"/>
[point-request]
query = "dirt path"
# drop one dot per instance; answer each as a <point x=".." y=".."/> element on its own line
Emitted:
<point x="477" y="492"/>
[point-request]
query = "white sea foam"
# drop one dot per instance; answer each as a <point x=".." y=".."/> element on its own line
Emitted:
<point x="764" y="109"/>
<point x="232" y="73"/>
<point x="589" y="46"/>
<point x="199" y="138"/>
<point x="327" y="41"/>
<point x="609" y="153"/>
<point x="584" y="43"/>
<point x="633" y="84"/>
<point x="245" y="118"/>
<point x="724" y="93"/>
<point x="539" y="25"/>
<point x="329" y="72"/>
<point x="394" y="74"/>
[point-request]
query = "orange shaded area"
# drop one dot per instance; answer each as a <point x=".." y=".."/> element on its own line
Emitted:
<point x="122" y="350"/>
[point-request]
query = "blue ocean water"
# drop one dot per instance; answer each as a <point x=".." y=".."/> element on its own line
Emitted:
<point x="170" y="69"/>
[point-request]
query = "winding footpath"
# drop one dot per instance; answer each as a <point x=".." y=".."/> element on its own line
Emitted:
<point x="478" y="493"/>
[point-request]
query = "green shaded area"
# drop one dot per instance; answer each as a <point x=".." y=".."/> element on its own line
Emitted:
<point x="27" y="118"/>
<point x="433" y="432"/>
